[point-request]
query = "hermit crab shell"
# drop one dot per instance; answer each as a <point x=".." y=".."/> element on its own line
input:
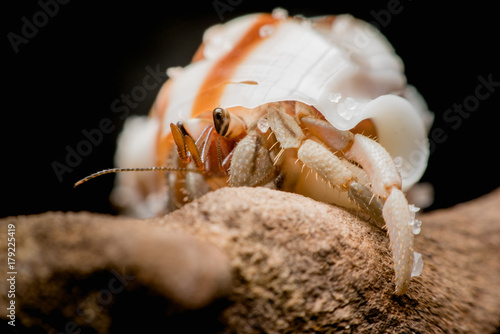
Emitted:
<point x="340" y="65"/>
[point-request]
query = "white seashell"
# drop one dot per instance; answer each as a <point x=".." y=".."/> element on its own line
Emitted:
<point x="342" y="66"/>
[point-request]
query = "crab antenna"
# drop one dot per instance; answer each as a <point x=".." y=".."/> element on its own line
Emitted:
<point x="138" y="169"/>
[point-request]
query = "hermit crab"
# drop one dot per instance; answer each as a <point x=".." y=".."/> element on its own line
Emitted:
<point x="270" y="99"/>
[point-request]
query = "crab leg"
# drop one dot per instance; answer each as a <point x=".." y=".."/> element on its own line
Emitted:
<point x="251" y="164"/>
<point x="184" y="142"/>
<point x="397" y="217"/>
<point x="386" y="183"/>
<point x="376" y="162"/>
<point x="180" y="143"/>
<point x="366" y="200"/>
<point x="326" y="164"/>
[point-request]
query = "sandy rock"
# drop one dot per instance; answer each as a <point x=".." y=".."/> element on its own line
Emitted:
<point x="252" y="260"/>
<point x="87" y="271"/>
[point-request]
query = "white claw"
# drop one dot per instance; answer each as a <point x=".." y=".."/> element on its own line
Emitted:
<point x="397" y="214"/>
<point x="377" y="163"/>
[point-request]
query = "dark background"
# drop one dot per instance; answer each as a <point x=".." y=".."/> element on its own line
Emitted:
<point x="65" y="78"/>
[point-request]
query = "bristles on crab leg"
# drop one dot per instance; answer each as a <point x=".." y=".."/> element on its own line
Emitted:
<point x="368" y="201"/>
<point x="204" y="141"/>
<point x="278" y="156"/>
<point x="325" y="163"/>
<point x="273" y="145"/>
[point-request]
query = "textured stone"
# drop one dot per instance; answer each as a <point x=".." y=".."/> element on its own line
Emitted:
<point x="296" y="266"/>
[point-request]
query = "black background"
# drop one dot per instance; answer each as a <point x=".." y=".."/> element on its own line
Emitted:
<point x="66" y="77"/>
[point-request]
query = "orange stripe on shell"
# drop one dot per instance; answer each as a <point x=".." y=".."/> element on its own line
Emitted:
<point x="219" y="76"/>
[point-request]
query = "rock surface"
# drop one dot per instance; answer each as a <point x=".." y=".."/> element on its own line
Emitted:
<point x="252" y="260"/>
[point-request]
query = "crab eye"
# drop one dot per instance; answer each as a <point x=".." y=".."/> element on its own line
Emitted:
<point x="221" y="120"/>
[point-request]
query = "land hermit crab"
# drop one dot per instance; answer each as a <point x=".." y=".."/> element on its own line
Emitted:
<point x="269" y="99"/>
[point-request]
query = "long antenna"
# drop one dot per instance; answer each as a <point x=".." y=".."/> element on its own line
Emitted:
<point x="138" y="169"/>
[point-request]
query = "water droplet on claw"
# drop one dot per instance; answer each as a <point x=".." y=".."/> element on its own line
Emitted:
<point x="418" y="264"/>
<point x="413" y="209"/>
<point x="416" y="226"/>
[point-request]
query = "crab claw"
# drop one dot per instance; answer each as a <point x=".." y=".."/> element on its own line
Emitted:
<point x="386" y="183"/>
<point x="398" y="220"/>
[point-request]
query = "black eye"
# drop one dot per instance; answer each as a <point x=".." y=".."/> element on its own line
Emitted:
<point x="221" y="120"/>
<point x="218" y="113"/>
